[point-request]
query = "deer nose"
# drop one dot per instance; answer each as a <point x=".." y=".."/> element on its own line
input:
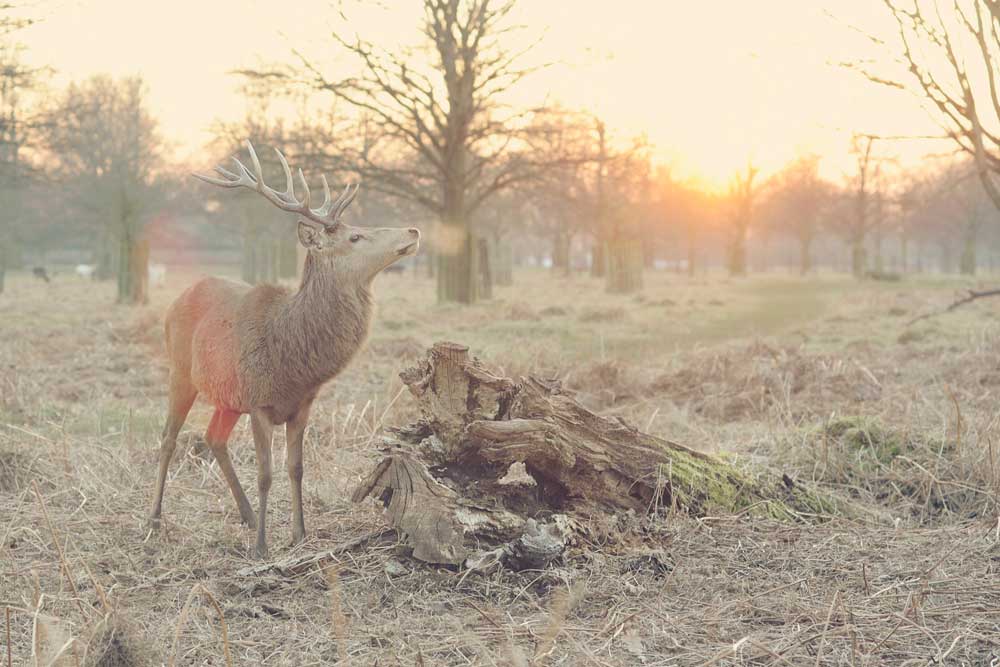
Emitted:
<point x="414" y="232"/>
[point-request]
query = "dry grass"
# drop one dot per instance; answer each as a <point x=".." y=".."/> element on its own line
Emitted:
<point x="790" y="374"/>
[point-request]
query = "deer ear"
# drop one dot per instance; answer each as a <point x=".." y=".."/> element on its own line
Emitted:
<point x="308" y="235"/>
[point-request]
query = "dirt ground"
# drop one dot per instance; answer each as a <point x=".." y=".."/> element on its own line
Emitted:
<point x="820" y="378"/>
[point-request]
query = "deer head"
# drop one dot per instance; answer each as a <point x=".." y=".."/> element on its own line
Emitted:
<point x="359" y="252"/>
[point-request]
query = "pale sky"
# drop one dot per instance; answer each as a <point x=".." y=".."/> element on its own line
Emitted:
<point x="711" y="84"/>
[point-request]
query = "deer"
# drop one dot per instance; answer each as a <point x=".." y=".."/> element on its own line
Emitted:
<point x="267" y="350"/>
<point x="157" y="275"/>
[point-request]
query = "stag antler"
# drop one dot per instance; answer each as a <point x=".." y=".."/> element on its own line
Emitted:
<point x="327" y="215"/>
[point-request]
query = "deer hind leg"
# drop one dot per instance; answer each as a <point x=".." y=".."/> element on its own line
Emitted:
<point x="182" y="395"/>
<point x="294" y="432"/>
<point x="263" y="432"/>
<point x="217" y="438"/>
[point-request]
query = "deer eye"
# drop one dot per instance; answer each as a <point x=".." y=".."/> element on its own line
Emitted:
<point x="355" y="238"/>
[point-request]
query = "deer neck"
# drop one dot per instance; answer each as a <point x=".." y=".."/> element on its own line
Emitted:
<point x="326" y="322"/>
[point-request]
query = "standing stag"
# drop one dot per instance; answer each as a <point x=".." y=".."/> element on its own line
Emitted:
<point x="266" y="350"/>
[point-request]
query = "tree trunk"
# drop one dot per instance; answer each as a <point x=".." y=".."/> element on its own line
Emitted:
<point x="458" y="253"/>
<point x="737" y="260"/>
<point x="502" y="262"/>
<point x="625" y="264"/>
<point x="859" y="260"/>
<point x="967" y="260"/>
<point x="106" y="258"/>
<point x="486" y="276"/>
<point x="879" y="264"/>
<point x="805" y="255"/>
<point x="947" y="258"/>
<point x="561" y="252"/>
<point x="598" y="259"/>
<point x="465" y="484"/>
<point x="904" y="253"/>
<point x="133" y="269"/>
<point x="457" y="267"/>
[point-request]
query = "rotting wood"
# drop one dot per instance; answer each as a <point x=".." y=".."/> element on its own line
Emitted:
<point x="504" y="472"/>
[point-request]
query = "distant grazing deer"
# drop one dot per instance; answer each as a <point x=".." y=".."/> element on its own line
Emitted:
<point x="85" y="270"/>
<point x="267" y="350"/>
<point x="40" y="273"/>
<point x="157" y="275"/>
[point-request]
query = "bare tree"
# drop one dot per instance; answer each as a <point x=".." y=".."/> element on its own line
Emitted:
<point x="20" y="124"/>
<point x="951" y="51"/>
<point x="105" y="144"/>
<point x="562" y="195"/>
<point x="858" y="218"/>
<point x="14" y="16"/>
<point x="436" y="135"/>
<point x="741" y="200"/>
<point x="797" y="201"/>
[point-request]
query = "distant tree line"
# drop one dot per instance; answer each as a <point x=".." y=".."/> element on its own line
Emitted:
<point x="436" y="146"/>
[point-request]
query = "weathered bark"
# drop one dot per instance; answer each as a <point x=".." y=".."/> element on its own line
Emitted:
<point x="859" y="258"/>
<point x="598" y="261"/>
<point x="133" y="269"/>
<point x="737" y="254"/>
<point x="561" y="252"/>
<point x="805" y="253"/>
<point x="458" y="253"/>
<point x="106" y="258"/>
<point x="967" y="261"/>
<point x="457" y="267"/>
<point x="486" y="276"/>
<point x="625" y="265"/>
<point x="503" y="451"/>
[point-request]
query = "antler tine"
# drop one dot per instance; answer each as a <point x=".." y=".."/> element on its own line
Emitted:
<point x="324" y="210"/>
<point x="221" y="182"/>
<point x="308" y="195"/>
<point x="289" y="184"/>
<point x="244" y="177"/>
<point x="256" y="165"/>
<point x="345" y="200"/>
<point x="327" y="214"/>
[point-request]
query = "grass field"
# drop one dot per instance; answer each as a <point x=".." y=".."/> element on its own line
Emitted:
<point x="821" y="378"/>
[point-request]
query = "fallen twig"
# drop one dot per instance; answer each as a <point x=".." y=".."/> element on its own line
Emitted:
<point x="971" y="296"/>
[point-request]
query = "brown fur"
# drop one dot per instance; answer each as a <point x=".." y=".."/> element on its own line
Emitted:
<point x="266" y="351"/>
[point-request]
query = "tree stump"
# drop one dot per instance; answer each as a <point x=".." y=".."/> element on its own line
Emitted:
<point x="503" y="473"/>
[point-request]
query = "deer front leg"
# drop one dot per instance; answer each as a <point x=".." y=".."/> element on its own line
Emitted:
<point x="263" y="431"/>
<point x="294" y="432"/>
<point x="217" y="438"/>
